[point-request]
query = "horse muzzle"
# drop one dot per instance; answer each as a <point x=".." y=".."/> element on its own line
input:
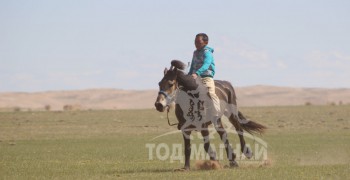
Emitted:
<point x="160" y="103"/>
<point x="159" y="106"/>
<point x="163" y="100"/>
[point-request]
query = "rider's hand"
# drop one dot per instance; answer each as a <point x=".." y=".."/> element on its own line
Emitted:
<point x="194" y="75"/>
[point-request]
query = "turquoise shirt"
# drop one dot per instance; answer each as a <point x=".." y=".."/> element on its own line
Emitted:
<point x="203" y="62"/>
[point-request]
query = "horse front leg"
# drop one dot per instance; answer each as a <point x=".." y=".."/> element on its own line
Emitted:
<point x="187" y="141"/>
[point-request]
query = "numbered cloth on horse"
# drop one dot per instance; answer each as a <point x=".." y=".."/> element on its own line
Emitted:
<point x="193" y="97"/>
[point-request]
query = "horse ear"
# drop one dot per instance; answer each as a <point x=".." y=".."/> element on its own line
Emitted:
<point x="165" y="70"/>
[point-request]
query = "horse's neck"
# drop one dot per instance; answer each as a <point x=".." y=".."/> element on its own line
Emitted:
<point x="186" y="82"/>
<point x="190" y="88"/>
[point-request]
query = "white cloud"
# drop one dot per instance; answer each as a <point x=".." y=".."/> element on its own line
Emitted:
<point x="238" y="54"/>
<point x="92" y="73"/>
<point x="327" y="60"/>
<point x="128" y="74"/>
<point x="330" y="69"/>
<point x="54" y="80"/>
<point x="281" y="65"/>
<point x="245" y="63"/>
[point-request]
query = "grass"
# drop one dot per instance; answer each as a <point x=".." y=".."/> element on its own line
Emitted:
<point x="304" y="142"/>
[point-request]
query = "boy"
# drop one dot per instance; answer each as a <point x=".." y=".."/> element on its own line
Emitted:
<point x="203" y="66"/>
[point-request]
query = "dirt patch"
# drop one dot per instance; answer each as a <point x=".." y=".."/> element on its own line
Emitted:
<point x="208" y="165"/>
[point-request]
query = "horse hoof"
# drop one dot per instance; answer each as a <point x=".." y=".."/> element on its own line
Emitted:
<point x="248" y="154"/>
<point x="233" y="164"/>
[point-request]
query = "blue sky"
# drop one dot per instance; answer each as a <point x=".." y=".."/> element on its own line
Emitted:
<point x="67" y="45"/>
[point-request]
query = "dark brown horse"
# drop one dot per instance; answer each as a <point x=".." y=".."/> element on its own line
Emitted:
<point x="178" y="87"/>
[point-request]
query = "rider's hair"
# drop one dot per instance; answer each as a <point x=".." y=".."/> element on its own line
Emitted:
<point x="204" y="36"/>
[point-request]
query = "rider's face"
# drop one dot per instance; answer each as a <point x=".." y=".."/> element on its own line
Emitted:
<point x="199" y="43"/>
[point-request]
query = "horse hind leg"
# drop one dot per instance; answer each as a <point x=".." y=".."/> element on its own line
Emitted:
<point x="236" y="123"/>
<point x="231" y="156"/>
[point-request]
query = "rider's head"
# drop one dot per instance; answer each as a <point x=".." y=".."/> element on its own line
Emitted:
<point x="201" y="40"/>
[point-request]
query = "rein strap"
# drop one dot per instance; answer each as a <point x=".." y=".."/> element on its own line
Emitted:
<point x="167" y="115"/>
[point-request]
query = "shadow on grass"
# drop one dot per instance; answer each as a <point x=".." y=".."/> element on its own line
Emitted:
<point x="133" y="171"/>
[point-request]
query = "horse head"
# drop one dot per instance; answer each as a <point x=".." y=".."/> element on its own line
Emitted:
<point x="168" y="86"/>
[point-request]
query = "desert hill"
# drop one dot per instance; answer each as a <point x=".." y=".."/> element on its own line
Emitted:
<point x="142" y="99"/>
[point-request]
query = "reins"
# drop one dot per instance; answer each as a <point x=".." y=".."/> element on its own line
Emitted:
<point x="167" y="115"/>
<point x="168" y="107"/>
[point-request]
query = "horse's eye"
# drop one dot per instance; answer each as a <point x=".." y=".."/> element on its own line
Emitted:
<point x="171" y="83"/>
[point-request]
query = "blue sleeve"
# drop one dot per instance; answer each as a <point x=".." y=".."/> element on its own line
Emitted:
<point x="208" y="59"/>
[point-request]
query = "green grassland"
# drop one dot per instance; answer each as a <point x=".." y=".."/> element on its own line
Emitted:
<point x="304" y="142"/>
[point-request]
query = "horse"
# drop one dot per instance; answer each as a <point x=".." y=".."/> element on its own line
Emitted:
<point x="176" y="84"/>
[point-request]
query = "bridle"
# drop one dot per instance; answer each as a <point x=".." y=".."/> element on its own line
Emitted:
<point x="169" y="99"/>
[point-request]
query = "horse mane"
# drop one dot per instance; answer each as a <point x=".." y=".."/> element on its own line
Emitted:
<point x="186" y="81"/>
<point x="178" y="64"/>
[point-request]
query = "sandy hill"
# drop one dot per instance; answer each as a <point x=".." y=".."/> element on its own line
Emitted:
<point x="128" y="99"/>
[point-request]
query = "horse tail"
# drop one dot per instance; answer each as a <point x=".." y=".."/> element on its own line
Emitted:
<point x="239" y="122"/>
<point x="251" y="126"/>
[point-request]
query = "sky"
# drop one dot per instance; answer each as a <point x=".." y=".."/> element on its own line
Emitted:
<point x="83" y="44"/>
